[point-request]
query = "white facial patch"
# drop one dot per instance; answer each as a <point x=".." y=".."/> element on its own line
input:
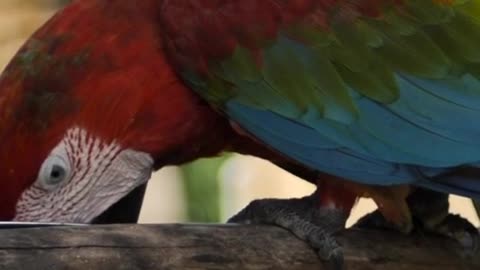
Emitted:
<point x="81" y="178"/>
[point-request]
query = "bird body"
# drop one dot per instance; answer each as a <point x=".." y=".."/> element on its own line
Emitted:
<point x="366" y="97"/>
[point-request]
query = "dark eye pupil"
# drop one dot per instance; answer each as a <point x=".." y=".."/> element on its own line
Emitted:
<point x="57" y="172"/>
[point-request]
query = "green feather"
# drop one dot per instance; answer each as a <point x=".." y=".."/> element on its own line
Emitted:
<point x="429" y="12"/>
<point x="243" y="63"/>
<point x="414" y="54"/>
<point x="339" y="105"/>
<point x="312" y="36"/>
<point x="376" y="81"/>
<point x="285" y="72"/>
<point x="316" y="71"/>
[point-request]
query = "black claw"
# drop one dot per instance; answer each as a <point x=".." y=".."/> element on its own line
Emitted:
<point x="242" y="217"/>
<point x="476" y="243"/>
<point x="336" y="262"/>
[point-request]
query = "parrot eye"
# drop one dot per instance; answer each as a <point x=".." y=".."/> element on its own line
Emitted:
<point x="54" y="171"/>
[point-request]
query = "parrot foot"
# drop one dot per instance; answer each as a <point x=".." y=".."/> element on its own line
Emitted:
<point x="430" y="209"/>
<point x="430" y="215"/>
<point x="452" y="226"/>
<point x="462" y="230"/>
<point x="304" y="219"/>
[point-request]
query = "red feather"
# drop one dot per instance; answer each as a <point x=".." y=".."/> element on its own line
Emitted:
<point x="212" y="29"/>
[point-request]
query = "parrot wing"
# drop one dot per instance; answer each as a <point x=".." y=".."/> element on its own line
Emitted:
<point x="379" y="92"/>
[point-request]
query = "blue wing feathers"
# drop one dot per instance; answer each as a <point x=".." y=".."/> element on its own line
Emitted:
<point x="330" y="158"/>
<point x="455" y="184"/>
<point x="425" y="130"/>
<point x="463" y="91"/>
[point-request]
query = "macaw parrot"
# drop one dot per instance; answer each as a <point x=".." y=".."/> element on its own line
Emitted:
<point x="361" y="97"/>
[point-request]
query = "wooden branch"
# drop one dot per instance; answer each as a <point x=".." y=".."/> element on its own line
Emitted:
<point x="150" y="247"/>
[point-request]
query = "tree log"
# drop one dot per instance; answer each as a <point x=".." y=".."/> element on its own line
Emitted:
<point x="197" y="246"/>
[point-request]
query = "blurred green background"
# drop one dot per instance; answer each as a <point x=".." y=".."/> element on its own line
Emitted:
<point x="209" y="190"/>
<point x="202" y="191"/>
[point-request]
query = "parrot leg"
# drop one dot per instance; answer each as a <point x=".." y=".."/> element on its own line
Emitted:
<point x="429" y="210"/>
<point x="307" y="218"/>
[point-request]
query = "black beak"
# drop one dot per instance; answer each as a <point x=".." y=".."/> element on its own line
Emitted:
<point x="127" y="210"/>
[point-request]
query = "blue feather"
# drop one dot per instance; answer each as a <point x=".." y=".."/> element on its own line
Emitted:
<point x="318" y="153"/>
<point x="314" y="150"/>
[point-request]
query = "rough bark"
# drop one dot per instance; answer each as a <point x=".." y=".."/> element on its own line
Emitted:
<point x="196" y="246"/>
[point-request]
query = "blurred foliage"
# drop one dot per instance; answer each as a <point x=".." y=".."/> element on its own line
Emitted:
<point x="202" y="189"/>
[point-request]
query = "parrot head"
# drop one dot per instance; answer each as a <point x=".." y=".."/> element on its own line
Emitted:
<point x="88" y="106"/>
<point x="71" y="101"/>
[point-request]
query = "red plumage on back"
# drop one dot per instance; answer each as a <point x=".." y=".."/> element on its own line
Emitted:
<point x="210" y="30"/>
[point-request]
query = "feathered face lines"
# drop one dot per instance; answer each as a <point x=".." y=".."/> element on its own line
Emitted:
<point x="80" y="178"/>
